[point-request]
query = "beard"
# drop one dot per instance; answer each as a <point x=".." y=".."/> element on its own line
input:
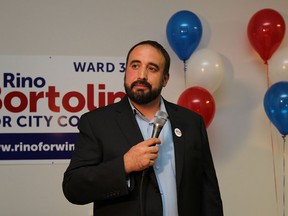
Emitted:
<point x="139" y="96"/>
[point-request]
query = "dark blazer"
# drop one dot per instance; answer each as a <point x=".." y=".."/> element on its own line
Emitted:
<point x="96" y="171"/>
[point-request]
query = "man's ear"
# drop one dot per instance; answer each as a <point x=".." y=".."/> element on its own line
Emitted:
<point x="165" y="79"/>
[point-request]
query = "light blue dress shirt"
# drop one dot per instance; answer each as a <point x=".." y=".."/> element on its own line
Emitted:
<point x="164" y="166"/>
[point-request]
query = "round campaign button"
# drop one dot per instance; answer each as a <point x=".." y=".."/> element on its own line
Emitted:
<point x="177" y="132"/>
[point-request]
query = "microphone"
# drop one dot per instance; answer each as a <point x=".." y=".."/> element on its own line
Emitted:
<point x="159" y="122"/>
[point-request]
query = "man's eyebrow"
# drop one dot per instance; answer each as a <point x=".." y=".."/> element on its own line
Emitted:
<point x="150" y="63"/>
<point x="134" y="61"/>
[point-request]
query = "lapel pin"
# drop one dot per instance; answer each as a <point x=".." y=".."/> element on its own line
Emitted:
<point x="177" y="132"/>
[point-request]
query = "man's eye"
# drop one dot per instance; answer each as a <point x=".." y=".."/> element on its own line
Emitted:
<point x="153" y="69"/>
<point x="134" y="66"/>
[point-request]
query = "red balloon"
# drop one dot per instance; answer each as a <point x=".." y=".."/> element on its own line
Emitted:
<point x="200" y="101"/>
<point x="266" y="30"/>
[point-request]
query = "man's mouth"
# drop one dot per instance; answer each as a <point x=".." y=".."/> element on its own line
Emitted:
<point x="141" y="84"/>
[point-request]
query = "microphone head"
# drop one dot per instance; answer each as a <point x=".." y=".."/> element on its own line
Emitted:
<point x="159" y="122"/>
<point x="161" y="118"/>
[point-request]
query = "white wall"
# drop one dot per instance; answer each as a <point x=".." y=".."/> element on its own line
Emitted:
<point x="240" y="135"/>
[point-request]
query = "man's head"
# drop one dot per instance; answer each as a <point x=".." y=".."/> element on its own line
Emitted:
<point x="147" y="71"/>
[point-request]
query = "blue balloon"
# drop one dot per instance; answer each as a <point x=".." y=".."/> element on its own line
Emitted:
<point x="184" y="32"/>
<point x="276" y="106"/>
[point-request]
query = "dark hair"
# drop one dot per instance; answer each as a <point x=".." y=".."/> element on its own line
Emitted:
<point x="158" y="47"/>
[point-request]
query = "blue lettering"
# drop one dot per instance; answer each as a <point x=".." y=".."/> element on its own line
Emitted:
<point x="100" y="67"/>
<point x="9" y="79"/>
<point x="107" y="67"/>
<point x="110" y="67"/>
<point x="6" y="121"/>
<point x="79" y="67"/>
<point x="91" y="67"/>
<point x="122" y="67"/>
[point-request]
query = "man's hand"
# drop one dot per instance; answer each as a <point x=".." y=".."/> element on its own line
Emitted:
<point x="142" y="155"/>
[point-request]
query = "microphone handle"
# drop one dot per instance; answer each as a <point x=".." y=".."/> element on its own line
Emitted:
<point x="156" y="130"/>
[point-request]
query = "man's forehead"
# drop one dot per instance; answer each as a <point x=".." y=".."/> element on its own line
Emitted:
<point x="145" y="50"/>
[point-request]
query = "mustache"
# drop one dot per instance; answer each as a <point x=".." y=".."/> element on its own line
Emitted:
<point x="141" y="82"/>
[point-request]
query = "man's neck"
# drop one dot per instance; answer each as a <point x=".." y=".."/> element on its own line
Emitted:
<point x="148" y="110"/>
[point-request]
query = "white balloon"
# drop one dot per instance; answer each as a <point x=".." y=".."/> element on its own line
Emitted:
<point x="278" y="66"/>
<point x="205" y="69"/>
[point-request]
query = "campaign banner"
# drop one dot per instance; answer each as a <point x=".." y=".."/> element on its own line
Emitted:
<point x="43" y="97"/>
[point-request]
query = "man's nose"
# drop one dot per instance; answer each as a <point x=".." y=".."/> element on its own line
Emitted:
<point x="142" y="73"/>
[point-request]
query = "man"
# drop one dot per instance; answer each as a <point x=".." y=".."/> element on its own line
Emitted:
<point x="123" y="171"/>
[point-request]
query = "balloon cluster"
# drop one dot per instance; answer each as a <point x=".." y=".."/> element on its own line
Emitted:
<point x="266" y="30"/>
<point x="203" y="70"/>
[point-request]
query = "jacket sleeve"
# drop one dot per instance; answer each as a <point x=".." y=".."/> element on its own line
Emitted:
<point x="88" y="177"/>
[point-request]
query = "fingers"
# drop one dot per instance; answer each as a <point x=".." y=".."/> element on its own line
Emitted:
<point x="153" y="149"/>
<point x="141" y="156"/>
<point x="152" y="142"/>
<point x="151" y="162"/>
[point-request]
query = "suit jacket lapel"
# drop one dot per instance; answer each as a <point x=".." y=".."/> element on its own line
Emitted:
<point x="127" y="122"/>
<point x="178" y="139"/>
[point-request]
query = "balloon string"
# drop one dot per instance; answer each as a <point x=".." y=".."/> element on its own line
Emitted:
<point x="274" y="169"/>
<point x="267" y="75"/>
<point x="185" y="72"/>
<point x="284" y="175"/>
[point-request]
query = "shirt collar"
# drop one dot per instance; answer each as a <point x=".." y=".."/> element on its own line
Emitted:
<point x="137" y="112"/>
